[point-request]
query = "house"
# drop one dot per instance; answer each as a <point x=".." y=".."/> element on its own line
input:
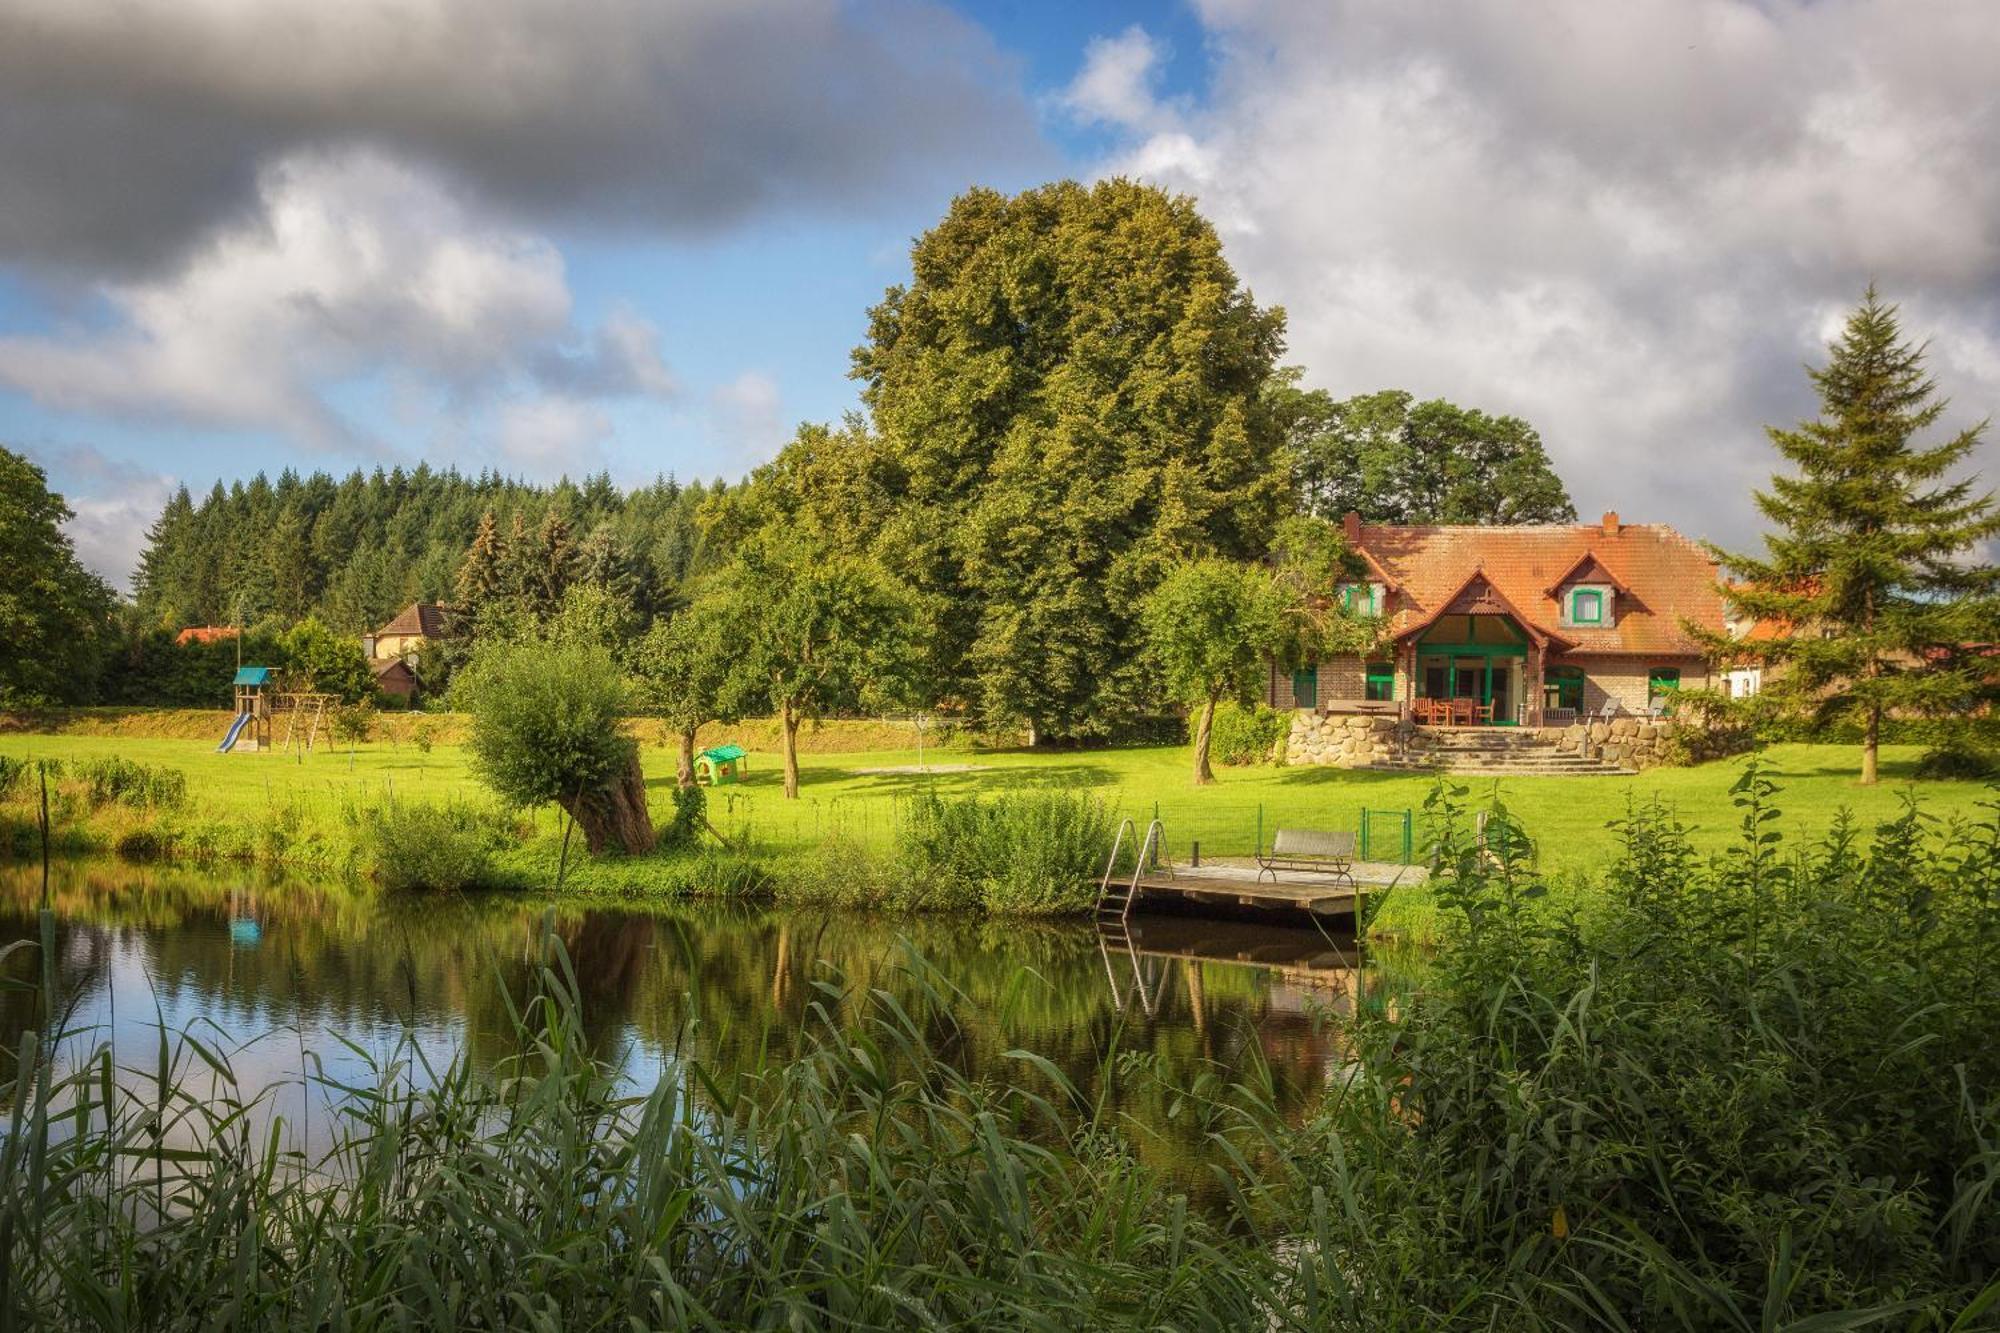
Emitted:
<point x="404" y="637"/>
<point x="395" y="676"/>
<point x="1539" y="626"/>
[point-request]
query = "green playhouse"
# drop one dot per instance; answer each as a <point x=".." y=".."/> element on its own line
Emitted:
<point x="718" y="765"/>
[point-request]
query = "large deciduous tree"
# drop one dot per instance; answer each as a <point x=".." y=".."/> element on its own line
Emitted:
<point x="1394" y="460"/>
<point x="1869" y="575"/>
<point x="55" y="615"/>
<point x="815" y="632"/>
<point x="1069" y="393"/>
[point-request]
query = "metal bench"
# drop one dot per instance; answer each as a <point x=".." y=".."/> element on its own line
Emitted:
<point x="1309" y="851"/>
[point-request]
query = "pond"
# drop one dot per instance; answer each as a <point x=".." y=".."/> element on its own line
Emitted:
<point x="282" y="975"/>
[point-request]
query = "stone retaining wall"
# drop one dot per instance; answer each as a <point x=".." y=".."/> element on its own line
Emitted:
<point x="1355" y="740"/>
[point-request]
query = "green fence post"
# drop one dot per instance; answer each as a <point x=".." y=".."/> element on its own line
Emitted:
<point x="1260" y="828"/>
<point x="1364" y="835"/>
<point x="1409" y="851"/>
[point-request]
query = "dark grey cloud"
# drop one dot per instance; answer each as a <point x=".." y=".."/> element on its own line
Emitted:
<point x="128" y="130"/>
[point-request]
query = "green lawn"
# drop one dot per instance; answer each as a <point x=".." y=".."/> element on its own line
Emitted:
<point x="1567" y="816"/>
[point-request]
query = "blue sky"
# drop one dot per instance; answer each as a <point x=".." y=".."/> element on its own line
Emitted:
<point x="622" y="235"/>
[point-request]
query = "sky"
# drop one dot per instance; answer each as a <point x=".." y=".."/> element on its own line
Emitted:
<point x="554" y="237"/>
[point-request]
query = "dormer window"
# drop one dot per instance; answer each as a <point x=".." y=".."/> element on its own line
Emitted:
<point x="1586" y="606"/>
<point x="1362" y="599"/>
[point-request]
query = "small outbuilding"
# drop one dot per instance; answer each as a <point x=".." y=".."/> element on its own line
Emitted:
<point x="395" y="677"/>
<point x="719" y="765"/>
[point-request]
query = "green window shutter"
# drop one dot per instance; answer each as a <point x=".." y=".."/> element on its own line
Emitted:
<point x="1381" y="681"/>
<point x="1662" y="684"/>
<point x="1305" y="688"/>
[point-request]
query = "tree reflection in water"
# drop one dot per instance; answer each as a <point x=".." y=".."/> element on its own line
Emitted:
<point x="276" y="969"/>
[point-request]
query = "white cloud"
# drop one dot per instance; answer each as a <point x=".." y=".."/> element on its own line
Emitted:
<point x="1115" y="86"/>
<point x="113" y="501"/>
<point x="1627" y="223"/>
<point x="552" y="436"/>
<point x="747" y="418"/>
<point x="356" y="265"/>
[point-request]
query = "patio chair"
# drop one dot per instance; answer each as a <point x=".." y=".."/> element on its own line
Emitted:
<point x="1463" y="712"/>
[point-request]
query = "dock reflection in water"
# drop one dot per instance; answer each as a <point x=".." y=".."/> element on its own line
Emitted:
<point x="275" y="971"/>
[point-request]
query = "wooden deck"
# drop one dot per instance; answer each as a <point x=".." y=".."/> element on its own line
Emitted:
<point x="1240" y="885"/>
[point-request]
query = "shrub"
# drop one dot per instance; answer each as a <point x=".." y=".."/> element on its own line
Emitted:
<point x="1763" y="1082"/>
<point x="12" y="771"/>
<point x="1956" y="757"/>
<point x="1022" y="853"/>
<point x="127" y="782"/>
<point x="353" y="723"/>
<point x="442" y="847"/>
<point x="1247" y="735"/>
<point x="423" y="735"/>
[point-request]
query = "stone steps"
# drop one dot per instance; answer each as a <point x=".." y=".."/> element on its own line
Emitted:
<point x="1384" y="745"/>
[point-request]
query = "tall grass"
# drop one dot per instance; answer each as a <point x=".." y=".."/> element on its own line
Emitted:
<point x="1034" y="852"/>
<point x="1745" y="1093"/>
<point x="827" y="1192"/>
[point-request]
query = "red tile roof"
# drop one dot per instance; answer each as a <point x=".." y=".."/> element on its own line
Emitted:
<point x="1665" y="577"/>
<point x="205" y="633"/>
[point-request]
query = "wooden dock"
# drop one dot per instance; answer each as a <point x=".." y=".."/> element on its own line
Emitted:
<point x="1227" y="884"/>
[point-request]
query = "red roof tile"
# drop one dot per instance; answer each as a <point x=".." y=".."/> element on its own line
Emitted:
<point x="428" y="619"/>
<point x="1667" y="578"/>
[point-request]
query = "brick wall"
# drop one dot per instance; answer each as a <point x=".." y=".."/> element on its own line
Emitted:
<point x="1625" y="679"/>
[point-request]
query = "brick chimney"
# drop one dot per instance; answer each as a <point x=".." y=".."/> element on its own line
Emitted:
<point x="1350" y="528"/>
<point x="1611" y="522"/>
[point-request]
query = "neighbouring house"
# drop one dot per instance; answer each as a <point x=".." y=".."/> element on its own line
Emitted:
<point x="205" y="634"/>
<point x="405" y="636"/>
<point x="396" y="677"/>
<point x="395" y="651"/>
<point x="1550" y="627"/>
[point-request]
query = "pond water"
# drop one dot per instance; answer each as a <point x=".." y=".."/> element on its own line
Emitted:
<point x="282" y="975"/>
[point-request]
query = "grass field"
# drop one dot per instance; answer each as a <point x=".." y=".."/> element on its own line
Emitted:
<point x="1567" y="816"/>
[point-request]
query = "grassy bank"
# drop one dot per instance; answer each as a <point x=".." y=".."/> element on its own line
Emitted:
<point x="1756" y="1092"/>
<point x="842" y="840"/>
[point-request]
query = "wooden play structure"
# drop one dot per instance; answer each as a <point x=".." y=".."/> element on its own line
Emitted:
<point x="304" y="714"/>
<point x="251" y="731"/>
<point x="719" y="765"/>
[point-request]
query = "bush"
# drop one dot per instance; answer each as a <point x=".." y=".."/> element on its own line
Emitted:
<point x="1022" y="853"/>
<point x="1763" y="1082"/>
<point x="442" y="847"/>
<point x="353" y="723"/>
<point x="127" y="782"/>
<point x="12" y="771"/>
<point x="423" y="735"/>
<point x="1956" y="757"/>
<point x="1247" y="735"/>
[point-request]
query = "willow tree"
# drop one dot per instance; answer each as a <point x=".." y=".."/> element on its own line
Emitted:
<point x="1869" y="574"/>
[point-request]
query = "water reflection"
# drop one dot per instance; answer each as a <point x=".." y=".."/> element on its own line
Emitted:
<point x="277" y="971"/>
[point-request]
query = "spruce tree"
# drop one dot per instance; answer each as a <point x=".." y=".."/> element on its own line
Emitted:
<point x="1869" y="575"/>
<point x="481" y="574"/>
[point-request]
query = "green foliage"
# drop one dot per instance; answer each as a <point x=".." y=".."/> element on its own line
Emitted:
<point x="1248" y="735"/>
<point x="690" y="819"/>
<point x="149" y="668"/>
<point x="440" y="847"/>
<point x="1068" y="393"/>
<point x="112" y="780"/>
<point x="55" y="615"/>
<point x="423" y="735"/>
<point x="1957" y="757"/>
<point x="1394" y="461"/>
<point x="1760" y="1082"/>
<point x="1867" y="575"/>
<point x="317" y="658"/>
<point x="545" y="720"/>
<point x="683" y="667"/>
<point x="353" y="723"/>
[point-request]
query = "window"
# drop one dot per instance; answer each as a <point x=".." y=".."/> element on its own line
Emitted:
<point x="1305" y="688"/>
<point x="1586" y="606"/>
<point x="1562" y="687"/>
<point x="1662" y="684"/>
<point x="1381" y="684"/>
<point x="1360" y="599"/>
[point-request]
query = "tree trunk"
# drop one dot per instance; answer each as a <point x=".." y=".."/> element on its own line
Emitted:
<point x="684" y="770"/>
<point x="1871" y="736"/>
<point x="615" y="814"/>
<point x="1204" y="728"/>
<point x="790" y="720"/>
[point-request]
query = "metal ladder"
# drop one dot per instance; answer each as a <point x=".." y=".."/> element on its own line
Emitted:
<point x="1114" y="902"/>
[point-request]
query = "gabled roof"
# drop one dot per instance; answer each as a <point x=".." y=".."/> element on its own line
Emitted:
<point x="1579" y="568"/>
<point x="430" y="620"/>
<point x="1666" y="577"/>
<point x="1476" y="579"/>
<point x="390" y="666"/>
<point x="206" y="634"/>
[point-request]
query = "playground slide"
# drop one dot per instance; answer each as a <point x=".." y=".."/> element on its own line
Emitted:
<point x="235" y="728"/>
